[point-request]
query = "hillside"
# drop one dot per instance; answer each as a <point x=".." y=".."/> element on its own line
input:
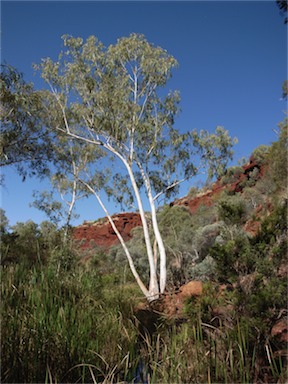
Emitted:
<point x="101" y="234"/>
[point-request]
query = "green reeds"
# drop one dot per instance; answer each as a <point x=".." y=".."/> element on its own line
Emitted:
<point x="59" y="323"/>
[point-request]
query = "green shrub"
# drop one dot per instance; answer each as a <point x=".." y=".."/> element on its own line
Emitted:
<point x="253" y="198"/>
<point x="260" y="154"/>
<point x="251" y="178"/>
<point x="231" y="175"/>
<point x="232" y="209"/>
<point x="278" y="157"/>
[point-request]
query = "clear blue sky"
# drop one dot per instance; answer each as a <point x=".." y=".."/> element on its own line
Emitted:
<point x="232" y="56"/>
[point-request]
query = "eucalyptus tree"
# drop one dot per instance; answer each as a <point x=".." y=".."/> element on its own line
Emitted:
<point x="113" y="100"/>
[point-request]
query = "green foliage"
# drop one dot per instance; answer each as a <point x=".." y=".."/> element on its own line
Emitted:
<point x="254" y="263"/>
<point x="52" y="208"/>
<point x="233" y="258"/>
<point x="260" y="154"/>
<point x="193" y="191"/>
<point x="187" y="239"/>
<point x="231" y="175"/>
<point x="278" y="158"/>
<point x="285" y="89"/>
<point x="204" y="238"/>
<point x="271" y="241"/>
<point x="137" y="248"/>
<point x="265" y="299"/>
<point x="253" y="198"/>
<point x="24" y="144"/>
<point x="108" y="103"/>
<point x="232" y="209"/>
<point x="4" y="223"/>
<point x="30" y="244"/>
<point x="137" y="125"/>
<point x="204" y="270"/>
<point x="56" y="324"/>
<point x="251" y="178"/>
<point x="61" y="321"/>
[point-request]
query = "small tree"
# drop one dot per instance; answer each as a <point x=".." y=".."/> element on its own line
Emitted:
<point x="112" y="101"/>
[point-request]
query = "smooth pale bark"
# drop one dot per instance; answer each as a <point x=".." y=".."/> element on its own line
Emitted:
<point x="161" y="247"/>
<point x="71" y="204"/>
<point x="153" y="285"/>
<point x="158" y="236"/>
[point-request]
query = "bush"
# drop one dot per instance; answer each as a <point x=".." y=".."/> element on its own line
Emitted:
<point x="232" y="209"/>
<point x="278" y="158"/>
<point x="260" y="154"/>
<point x="231" y="175"/>
<point x="253" y="198"/>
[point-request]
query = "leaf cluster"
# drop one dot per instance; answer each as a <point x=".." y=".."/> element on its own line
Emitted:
<point x="24" y="143"/>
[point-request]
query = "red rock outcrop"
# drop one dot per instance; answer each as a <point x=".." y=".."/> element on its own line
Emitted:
<point x="101" y="233"/>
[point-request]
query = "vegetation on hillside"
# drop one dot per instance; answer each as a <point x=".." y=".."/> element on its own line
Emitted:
<point x="64" y="320"/>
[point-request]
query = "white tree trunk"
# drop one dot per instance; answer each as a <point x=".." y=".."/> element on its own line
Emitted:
<point x="153" y="285"/>
<point x="161" y="247"/>
<point x="158" y="236"/>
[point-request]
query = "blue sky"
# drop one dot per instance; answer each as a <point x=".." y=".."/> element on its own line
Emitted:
<point x="232" y="62"/>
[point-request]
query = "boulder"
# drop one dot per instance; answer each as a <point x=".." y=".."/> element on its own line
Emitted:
<point x="193" y="288"/>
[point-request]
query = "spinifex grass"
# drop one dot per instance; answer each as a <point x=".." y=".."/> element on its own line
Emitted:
<point x="51" y="324"/>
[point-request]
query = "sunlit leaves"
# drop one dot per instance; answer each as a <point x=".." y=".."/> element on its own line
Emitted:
<point x="24" y="143"/>
<point x="215" y="149"/>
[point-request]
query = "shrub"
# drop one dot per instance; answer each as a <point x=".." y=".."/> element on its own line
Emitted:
<point x="204" y="271"/>
<point x="251" y="178"/>
<point x="278" y="157"/>
<point x="260" y="154"/>
<point x="253" y="198"/>
<point x="232" y="209"/>
<point x="232" y="174"/>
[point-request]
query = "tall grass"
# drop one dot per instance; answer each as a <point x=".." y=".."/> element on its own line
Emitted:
<point x="71" y="327"/>
<point x="52" y="323"/>
<point x="200" y="353"/>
